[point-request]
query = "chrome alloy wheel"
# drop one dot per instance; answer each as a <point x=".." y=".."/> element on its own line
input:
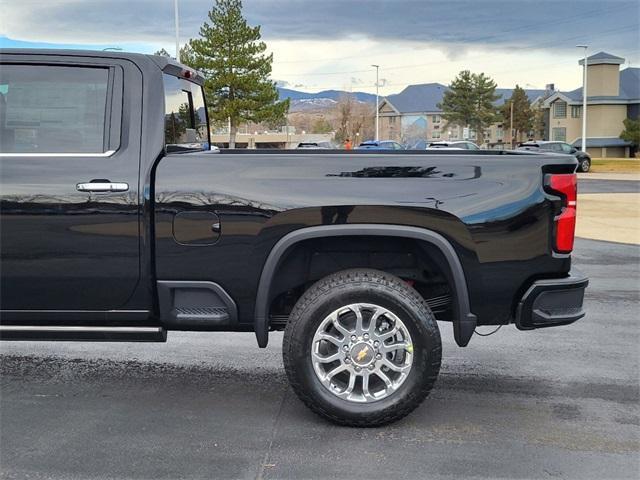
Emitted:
<point x="362" y="352"/>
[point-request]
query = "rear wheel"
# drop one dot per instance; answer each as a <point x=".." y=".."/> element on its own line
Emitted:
<point x="362" y="348"/>
<point x="585" y="165"/>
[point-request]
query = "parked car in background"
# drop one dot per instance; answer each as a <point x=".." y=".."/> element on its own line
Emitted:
<point x="417" y="145"/>
<point x="497" y="146"/>
<point x="453" y="145"/>
<point x="380" y="145"/>
<point x="314" y="145"/>
<point x="584" y="159"/>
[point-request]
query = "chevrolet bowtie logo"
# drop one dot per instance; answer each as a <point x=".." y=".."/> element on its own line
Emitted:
<point x="362" y="353"/>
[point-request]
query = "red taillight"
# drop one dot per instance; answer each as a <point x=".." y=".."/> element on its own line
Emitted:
<point x="567" y="186"/>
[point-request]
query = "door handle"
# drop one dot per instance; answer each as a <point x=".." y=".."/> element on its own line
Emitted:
<point x="102" y="186"/>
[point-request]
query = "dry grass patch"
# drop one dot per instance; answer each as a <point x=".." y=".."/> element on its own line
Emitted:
<point x="615" y="165"/>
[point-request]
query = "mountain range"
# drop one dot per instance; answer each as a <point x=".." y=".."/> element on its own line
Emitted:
<point x="301" y="101"/>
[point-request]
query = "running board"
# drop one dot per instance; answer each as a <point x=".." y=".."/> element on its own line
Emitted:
<point x="83" y="333"/>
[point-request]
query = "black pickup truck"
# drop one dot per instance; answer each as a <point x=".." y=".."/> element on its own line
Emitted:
<point x="119" y="222"/>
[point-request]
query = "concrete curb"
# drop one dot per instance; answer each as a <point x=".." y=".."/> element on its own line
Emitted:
<point x="610" y="176"/>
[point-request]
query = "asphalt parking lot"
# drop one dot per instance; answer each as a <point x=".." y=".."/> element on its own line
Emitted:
<point x="557" y="403"/>
<point x="608" y="186"/>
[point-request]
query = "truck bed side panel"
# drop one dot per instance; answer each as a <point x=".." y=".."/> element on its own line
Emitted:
<point x="491" y="208"/>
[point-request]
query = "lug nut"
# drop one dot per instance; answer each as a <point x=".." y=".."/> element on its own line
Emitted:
<point x="366" y="336"/>
<point x="371" y="367"/>
<point x="345" y="348"/>
<point x="347" y="360"/>
<point x="357" y="369"/>
<point x="353" y="338"/>
<point x="376" y="344"/>
<point x="379" y="356"/>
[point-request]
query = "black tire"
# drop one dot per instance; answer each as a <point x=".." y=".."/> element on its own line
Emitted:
<point x="366" y="286"/>
<point x="585" y="165"/>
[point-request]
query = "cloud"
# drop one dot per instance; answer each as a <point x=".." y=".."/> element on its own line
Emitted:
<point x="452" y="24"/>
<point x="324" y="44"/>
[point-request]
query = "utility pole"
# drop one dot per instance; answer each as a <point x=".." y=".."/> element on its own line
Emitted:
<point x="584" y="99"/>
<point x="175" y="11"/>
<point x="511" y="122"/>
<point x="377" y="67"/>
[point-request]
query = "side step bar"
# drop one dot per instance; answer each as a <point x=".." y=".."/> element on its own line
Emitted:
<point x="195" y="305"/>
<point x="84" y="333"/>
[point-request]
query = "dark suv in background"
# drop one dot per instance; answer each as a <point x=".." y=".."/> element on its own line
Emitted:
<point x="584" y="160"/>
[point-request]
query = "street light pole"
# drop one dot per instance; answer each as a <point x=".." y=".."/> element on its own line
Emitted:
<point x="175" y="10"/>
<point x="377" y="67"/>
<point x="511" y="123"/>
<point x="584" y="99"/>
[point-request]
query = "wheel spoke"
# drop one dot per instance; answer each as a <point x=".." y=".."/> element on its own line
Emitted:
<point x="352" y="383"/>
<point x="388" y="334"/>
<point x="327" y="359"/>
<point x="341" y="328"/>
<point x="359" y="328"/>
<point x="374" y="319"/>
<point x="391" y="347"/>
<point x="383" y="376"/>
<point x="329" y="338"/>
<point x="340" y="368"/>
<point x="365" y="386"/>
<point x="396" y="368"/>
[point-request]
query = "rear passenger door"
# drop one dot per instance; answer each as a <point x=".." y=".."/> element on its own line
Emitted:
<point x="69" y="152"/>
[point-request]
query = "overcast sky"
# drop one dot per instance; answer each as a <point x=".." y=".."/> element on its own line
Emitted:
<point x="322" y="44"/>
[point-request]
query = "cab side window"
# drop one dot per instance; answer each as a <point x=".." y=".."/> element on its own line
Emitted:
<point x="53" y="109"/>
<point x="185" y="115"/>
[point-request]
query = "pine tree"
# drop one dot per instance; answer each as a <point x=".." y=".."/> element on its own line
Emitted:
<point x="237" y="69"/>
<point x="162" y="53"/>
<point x="458" y="105"/>
<point x="187" y="55"/>
<point x="485" y="97"/>
<point x="523" y="116"/>
<point x="469" y="102"/>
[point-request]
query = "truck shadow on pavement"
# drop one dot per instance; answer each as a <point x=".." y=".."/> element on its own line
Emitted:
<point x="206" y="378"/>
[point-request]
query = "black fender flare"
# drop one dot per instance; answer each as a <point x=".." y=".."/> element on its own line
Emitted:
<point x="463" y="325"/>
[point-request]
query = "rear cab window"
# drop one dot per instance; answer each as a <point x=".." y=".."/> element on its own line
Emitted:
<point x="185" y="127"/>
<point x="54" y="109"/>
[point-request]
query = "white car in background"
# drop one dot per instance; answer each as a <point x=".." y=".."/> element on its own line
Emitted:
<point x="453" y="145"/>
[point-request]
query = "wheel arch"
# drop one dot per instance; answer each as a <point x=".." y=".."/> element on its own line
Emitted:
<point x="464" y="322"/>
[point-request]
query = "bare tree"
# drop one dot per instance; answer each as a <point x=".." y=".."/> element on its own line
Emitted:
<point x="345" y="108"/>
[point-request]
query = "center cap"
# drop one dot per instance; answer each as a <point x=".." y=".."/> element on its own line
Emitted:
<point x="362" y="354"/>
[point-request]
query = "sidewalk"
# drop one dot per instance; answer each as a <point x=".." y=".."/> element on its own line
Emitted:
<point x="612" y="217"/>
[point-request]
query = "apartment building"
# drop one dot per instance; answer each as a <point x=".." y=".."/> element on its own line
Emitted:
<point x="413" y="115"/>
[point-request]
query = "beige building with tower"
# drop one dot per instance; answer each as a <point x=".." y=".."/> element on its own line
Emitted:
<point x="612" y="96"/>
